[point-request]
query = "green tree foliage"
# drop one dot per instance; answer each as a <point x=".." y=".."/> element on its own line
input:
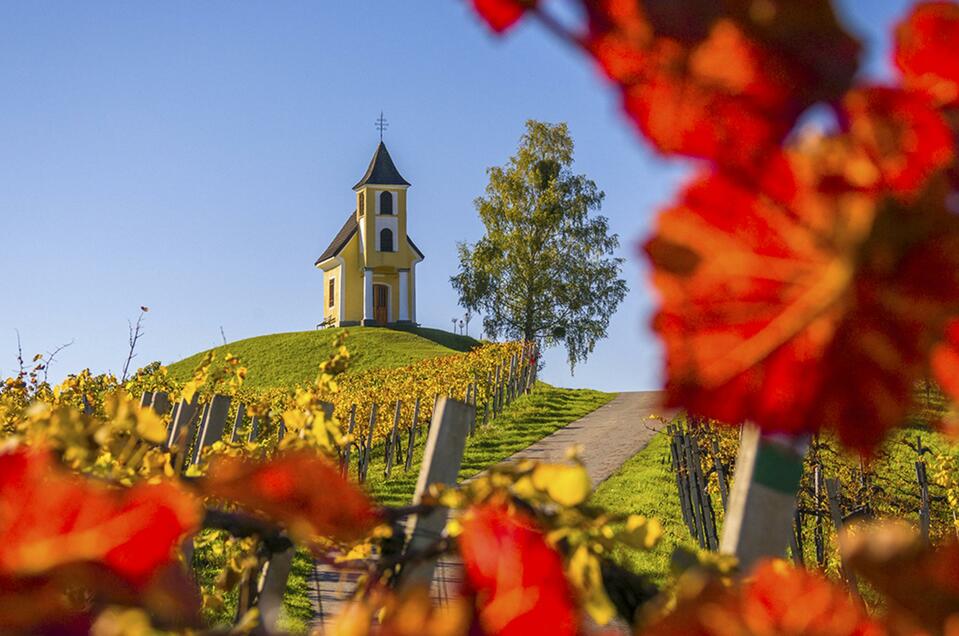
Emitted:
<point x="544" y="269"/>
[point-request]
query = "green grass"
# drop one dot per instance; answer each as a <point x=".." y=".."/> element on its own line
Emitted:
<point x="285" y="360"/>
<point x="645" y="485"/>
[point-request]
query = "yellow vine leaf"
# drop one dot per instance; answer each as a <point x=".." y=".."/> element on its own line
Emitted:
<point x="585" y="574"/>
<point x="641" y="532"/>
<point x="151" y="426"/>
<point x="566" y="485"/>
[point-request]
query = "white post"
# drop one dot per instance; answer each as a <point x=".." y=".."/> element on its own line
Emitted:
<point x="367" y="296"/>
<point x="762" y="502"/>
<point x="413" y="295"/>
<point x="404" y="300"/>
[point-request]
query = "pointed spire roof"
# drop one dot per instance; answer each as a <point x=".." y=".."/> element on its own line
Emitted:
<point x="382" y="171"/>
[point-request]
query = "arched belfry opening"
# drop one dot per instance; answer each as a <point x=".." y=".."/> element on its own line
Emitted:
<point x="386" y="240"/>
<point x="386" y="203"/>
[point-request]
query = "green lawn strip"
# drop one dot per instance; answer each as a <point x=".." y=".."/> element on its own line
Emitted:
<point x="645" y="485"/>
<point x="289" y="359"/>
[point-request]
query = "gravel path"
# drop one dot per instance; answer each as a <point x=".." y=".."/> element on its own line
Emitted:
<point x="609" y="435"/>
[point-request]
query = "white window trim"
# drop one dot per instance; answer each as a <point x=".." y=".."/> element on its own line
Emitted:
<point x="390" y="222"/>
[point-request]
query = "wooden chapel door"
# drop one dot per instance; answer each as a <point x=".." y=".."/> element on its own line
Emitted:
<point x="381" y="296"/>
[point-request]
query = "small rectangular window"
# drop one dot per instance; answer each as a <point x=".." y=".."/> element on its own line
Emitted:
<point x="332" y="290"/>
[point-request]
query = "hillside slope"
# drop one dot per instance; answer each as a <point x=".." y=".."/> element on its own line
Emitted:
<point x="288" y="359"/>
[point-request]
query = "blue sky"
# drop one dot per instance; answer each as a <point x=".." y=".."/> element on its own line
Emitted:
<point x="196" y="157"/>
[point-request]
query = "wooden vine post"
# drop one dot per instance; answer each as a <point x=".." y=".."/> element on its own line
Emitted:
<point x="442" y="458"/>
<point x="212" y="425"/>
<point x="392" y="439"/>
<point x="834" y="495"/>
<point x="345" y="461"/>
<point x="762" y="502"/>
<point x="237" y="423"/>
<point x="411" y="445"/>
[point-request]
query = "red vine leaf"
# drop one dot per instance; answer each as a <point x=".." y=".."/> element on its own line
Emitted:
<point x="766" y="603"/>
<point x="298" y="489"/>
<point x="903" y="134"/>
<point x="724" y="82"/>
<point x="500" y="15"/>
<point x="925" y="50"/>
<point x="516" y="577"/>
<point x="51" y="517"/>
<point x="64" y="532"/>
<point x="805" y="299"/>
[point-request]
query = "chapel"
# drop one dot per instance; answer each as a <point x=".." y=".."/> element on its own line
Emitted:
<point x="369" y="268"/>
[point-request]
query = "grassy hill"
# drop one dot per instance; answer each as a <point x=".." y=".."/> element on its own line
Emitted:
<point x="288" y="359"/>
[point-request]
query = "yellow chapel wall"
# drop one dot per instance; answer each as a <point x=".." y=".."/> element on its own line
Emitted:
<point x="404" y="256"/>
<point x="347" y="278"/>
<point x="353" y="277"/>
<point x="384" y="264"/>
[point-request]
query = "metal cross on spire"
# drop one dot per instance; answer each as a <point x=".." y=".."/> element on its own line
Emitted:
<point x="381" y="124"/>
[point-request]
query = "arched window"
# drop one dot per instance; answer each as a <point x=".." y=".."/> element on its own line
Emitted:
<point x="386" y="240"/>
<point x="386" y="203"/>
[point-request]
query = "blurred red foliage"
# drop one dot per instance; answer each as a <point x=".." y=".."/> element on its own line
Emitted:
<point x="65" y="532"/>
<point x="301" y="490"/>
<point x="516" y="577"/>
<point x="776" y="599"/>
<point x="925" y="50"/>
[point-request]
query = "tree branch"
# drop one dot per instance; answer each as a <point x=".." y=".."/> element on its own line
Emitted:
<point x="135" y="334"/>
<point x="50" y="358"/>
<point x="22" y="372"/>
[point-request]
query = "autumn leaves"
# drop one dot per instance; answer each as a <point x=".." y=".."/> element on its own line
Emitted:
<point x="806" y="279"/>
<point x="64" y="532"/>
<point x="823" y="277"/>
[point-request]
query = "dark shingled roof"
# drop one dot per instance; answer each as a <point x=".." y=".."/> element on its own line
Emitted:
<point x="345" y="234"/>
<point x="340" y="240"/>
<point x="413" y="245"/>
<point x="382" y="171"/>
